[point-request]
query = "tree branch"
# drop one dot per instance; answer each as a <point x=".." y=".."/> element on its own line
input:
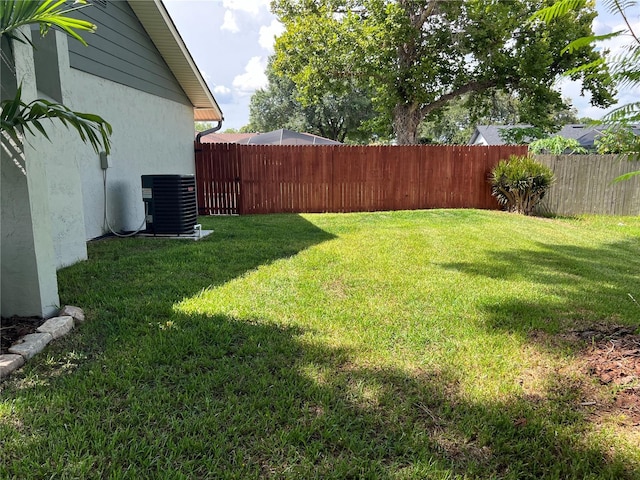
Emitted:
<point x="475" y="86"/>
<point x="428" y="11"/>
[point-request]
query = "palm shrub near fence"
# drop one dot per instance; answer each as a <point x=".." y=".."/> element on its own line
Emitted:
<point x="520" y="183"/>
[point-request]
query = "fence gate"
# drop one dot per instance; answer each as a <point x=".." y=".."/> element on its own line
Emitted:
<point x="218" y="179"/>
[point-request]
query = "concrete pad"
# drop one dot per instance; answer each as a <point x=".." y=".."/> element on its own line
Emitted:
<point x="10" y="362"/>
<point x="198" y="235"/>
<point x="56" y="326"/>
<point x="31" y="344"/>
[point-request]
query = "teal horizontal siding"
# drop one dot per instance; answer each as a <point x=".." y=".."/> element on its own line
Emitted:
<point x="121" y="51"/>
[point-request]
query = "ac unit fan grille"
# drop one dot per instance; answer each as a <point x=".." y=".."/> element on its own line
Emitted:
<point x="171" y="208"/>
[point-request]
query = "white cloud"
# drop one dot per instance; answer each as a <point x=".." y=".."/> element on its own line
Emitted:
<point x="268" y="34"/>
<point x="250" y="6"/>
<point x="571" y="89"/>
<point x="223" y="94"/>
<point x="617" y="45"/>
<point x="253" y="77"/>
<point x="221" y="89"/>
<point x="230" y="23"/>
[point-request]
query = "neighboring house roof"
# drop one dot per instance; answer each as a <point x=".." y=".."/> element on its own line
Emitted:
<point x="163" y="33"/>
<point x="490" y="134"/>
<point x="287" y="137"/>
<point x="276" y="137"/>
<point x="225" y="137"/>
<point x="584" y="134"/>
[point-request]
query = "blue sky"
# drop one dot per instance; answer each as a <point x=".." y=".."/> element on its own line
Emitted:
<point x="231" y="40"/>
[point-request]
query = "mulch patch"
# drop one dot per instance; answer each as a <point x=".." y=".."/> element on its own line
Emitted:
<point x="613" y="357"/>
<point x="13" y="328"/>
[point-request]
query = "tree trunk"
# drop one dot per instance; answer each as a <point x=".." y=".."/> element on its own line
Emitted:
<point x="406" y="120"/>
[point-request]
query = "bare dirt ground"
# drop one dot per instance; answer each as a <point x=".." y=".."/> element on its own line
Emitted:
<point x="613" y="358"/>
<point x="11" y="329"/>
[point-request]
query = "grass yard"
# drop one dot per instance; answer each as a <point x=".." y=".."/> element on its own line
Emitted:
<point x="434" y="344"/>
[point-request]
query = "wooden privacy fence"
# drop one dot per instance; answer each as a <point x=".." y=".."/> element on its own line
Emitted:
<point x="249" y="179"/>
<point x="584" y="184"/>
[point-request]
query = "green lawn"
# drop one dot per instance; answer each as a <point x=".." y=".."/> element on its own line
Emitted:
<point x="428" y="344"/>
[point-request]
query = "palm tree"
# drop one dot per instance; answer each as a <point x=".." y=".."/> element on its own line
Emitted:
<point x="18" y="117"/>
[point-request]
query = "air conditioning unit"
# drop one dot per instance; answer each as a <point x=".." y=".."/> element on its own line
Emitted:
<point x="170" y="204"/>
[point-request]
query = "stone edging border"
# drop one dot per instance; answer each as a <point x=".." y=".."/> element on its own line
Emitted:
<point x="34" y="343"/>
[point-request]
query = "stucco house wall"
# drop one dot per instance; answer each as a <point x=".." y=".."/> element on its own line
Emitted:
<point x="49" y="213"/>
<point x="151" y="135"/>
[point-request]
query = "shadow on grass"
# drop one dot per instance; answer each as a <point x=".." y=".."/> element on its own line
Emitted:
<point x="589" y="284"/>
<point x="237" y="245"/>
<point x="142" y="278"/>
<point x="213" y="397"/>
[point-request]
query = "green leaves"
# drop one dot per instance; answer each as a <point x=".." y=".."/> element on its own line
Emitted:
<point x="625" y="72"/>
<point x="617" y="139"/>
<point x="339" y="117"/>
<point x="17" y="117"/>
<point x="625" y="67"/>
<point x="588" y="40"/>
<point x="47" y="13"/>
<point x="419" y="56"/>
<point x="556" y="145"/>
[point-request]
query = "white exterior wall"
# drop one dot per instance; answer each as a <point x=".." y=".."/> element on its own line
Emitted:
<point x="48" y="215"/>
<point x="63" y="175"/>
<point x="151" y="135"/>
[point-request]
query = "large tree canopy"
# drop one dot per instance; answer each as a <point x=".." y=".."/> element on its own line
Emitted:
<point x="418" y="55"/>
<point x="343" y="116"/>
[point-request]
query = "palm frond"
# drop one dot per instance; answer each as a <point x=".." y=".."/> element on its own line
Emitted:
<point x="587" y="67"/>
<point x="629" y="113"/>
<point x="620" y="7"/>
<point x="626" y="176"/>
<point x="614" y="6"/>
<point x="624" y="67"/>
<point x="588" y="40"/>
<point x="627" y="79"/>
<point x="17" y="117"/>
<point x="13" y="151"/>
<point x="46" y="13"/>
<point x="557" y="10"/>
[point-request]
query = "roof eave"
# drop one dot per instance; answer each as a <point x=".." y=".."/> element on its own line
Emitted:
<point x="163" y="33"/>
